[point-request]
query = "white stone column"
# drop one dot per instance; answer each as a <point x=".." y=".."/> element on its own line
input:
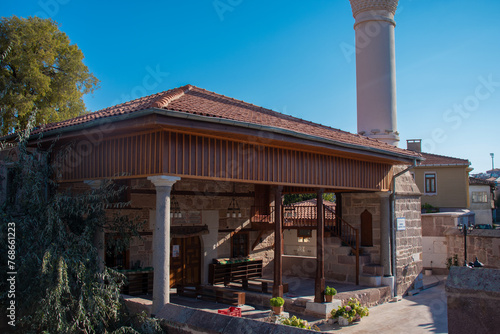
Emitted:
<point x="99" y="234"/>
<point x="376" y="68"/>
<point x="161" y="241"/>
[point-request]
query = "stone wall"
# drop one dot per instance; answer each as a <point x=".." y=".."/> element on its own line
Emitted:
<point x="408" y="240"/>
<point x="353" y="205"/>
<point x="442" y="240"/>
<point x="485" y="244"/>
<point x="473" y="297"/>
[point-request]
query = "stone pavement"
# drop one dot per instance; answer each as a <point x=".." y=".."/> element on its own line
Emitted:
<point x="424" y="312"/>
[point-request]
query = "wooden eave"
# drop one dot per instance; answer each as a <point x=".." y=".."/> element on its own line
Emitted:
<point x="151" y="143"/>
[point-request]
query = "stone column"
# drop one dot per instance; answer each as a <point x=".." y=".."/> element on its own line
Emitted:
<point x="385" y="233"/>
<point x="278" y="244"/>
<point x="376" y="68"/>
<point x="99" y="234"/>
<point x="319" y="286"/>
<point x="161" y="241"/>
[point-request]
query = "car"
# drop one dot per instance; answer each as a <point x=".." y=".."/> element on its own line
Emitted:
<point x="483" y="226"/>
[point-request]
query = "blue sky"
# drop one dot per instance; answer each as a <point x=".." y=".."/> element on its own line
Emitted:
<point x="295" y="58"/>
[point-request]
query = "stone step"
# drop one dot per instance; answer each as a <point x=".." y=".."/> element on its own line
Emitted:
<point x="370" y="280"/>
<point x="373" y="269"/>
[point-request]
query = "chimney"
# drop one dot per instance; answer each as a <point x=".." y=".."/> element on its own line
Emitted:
<point x="414" y="145"/>
<point x="376" y="68"/>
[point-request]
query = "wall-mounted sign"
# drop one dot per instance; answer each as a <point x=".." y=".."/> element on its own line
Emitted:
<point x="175" y="251"/>
<point x="401" y="224"/>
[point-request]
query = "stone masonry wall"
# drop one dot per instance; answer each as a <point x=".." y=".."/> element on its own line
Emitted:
<point x="409" y="263"/>
<point x="352" y="206"/>
<point x="485" y="244"/>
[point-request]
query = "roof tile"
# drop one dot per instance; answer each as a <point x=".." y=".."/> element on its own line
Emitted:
<point x="194" y="100"/>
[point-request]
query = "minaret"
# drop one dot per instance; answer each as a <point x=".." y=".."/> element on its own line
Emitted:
<point x="376" y="68"/>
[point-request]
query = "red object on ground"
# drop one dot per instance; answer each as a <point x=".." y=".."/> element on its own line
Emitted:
<point x="232" y="311"/>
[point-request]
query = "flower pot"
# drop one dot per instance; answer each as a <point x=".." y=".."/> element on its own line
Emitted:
<point x="277" y="309"/>
<point x="328" y="298"/>
<point x="343" y="321"/>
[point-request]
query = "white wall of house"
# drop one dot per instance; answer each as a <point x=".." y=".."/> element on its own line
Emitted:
<point x="300" y="247"/>
<point x="481" y="203"/>
<point x="209" y="241"/>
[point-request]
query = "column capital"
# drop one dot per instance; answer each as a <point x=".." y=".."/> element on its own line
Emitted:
<point x="163" y="180"/>
<point x="359" y="6"/>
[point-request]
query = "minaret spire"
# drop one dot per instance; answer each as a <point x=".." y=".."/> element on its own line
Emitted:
<point x="376" y="68"/>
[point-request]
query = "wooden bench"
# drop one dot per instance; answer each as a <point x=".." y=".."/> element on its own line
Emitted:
<point x="213" y="293"/>
<point x="234" y="272"/>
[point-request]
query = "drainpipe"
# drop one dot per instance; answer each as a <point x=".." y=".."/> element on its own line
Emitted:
<point x="392" y="200"/>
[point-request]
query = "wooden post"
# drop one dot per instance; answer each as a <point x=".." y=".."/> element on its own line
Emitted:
<point x="319" y="286"/>
<point x="278" y="243"/>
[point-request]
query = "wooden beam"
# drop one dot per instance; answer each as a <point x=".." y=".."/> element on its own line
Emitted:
<point x="319" y="286"/>
<point x="278" y="242"/>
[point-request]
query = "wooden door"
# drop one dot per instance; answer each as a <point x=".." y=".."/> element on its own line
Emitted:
<point x="185" y="261"/>
<point x="366" y="229"/>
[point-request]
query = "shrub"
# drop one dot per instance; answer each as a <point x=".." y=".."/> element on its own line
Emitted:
<point x="353" y="311"/>
<point x="330" y="291"/>
<point x="297" y="322"/>
<point x="277" y="302"/>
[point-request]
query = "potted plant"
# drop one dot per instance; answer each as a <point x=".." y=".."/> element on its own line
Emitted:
<point x="277" y="305"/>
<point x="353" y="311"/>
<point x="329" y="293"/>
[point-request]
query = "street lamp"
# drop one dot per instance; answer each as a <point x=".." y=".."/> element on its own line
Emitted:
<point x="465" y="228"/>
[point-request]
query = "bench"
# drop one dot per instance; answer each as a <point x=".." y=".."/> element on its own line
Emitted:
<point x="213" y="293"/>
<point x="225" y="273"/>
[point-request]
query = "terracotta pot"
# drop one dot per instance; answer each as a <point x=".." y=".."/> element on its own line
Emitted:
<point x="328" y="298"/>
<point x="277" y="309"/>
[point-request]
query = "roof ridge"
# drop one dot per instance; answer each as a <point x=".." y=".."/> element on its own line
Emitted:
<point x="171" y="95"/>
<point x="444" y="156"/>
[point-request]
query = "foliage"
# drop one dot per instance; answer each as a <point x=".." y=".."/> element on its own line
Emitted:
<point x="41" y="72"/>
<point x="353" y="311"/>
<point x="277" y="302"/>
<point x="297" y="322"/>
<point x="61" y="286"/>
<point x="452" y="261"/>
<point x="296" y="198"/>
<point x="330" y="291"/>
<point x="427" y="208"/>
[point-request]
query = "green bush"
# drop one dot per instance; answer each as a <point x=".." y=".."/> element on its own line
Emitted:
<point x="352" y="311"/>
<point x="277" y="302"/>
<point x="297" y="322"/>
<point x="330" y="291"/>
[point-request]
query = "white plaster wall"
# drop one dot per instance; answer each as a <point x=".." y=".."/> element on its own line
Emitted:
<point x="435" y="249"/>
<point x="209" y="241"/>
<point x="292" y="246"/>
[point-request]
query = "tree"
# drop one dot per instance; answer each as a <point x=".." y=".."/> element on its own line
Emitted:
<point x="60" y="286"/>
<point x="40" y="73"/>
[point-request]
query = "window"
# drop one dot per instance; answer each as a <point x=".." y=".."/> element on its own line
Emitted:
<point x="479" y="197"/>
<point x="304" y="235"/>
<point x="240" y="245"/>
<point x="430" y="183"/>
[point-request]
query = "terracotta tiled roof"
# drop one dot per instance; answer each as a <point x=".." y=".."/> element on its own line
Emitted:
<point x="197" y="101"/>
<point x="306" y="210"/>
<point x="436" y="160"/>
<point x="477" y="181"/>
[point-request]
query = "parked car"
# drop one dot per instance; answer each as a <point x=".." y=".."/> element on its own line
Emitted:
<point x="483" y="226"/>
